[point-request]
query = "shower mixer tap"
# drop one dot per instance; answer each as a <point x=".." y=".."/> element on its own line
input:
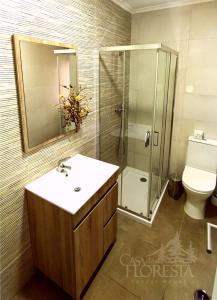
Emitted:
<point x="119" y="108"/>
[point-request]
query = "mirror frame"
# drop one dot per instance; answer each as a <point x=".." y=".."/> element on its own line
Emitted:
<point x="20" y="88"/>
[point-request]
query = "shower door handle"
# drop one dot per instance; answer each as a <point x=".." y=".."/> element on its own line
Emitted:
<point x="147" y="138"/>
<point x="156" y="138"/>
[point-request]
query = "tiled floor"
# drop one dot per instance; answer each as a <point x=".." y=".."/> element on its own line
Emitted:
<point x="128" y="273"/>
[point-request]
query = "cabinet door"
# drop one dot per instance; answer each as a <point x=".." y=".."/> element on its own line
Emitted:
<point x="110" y="203"/>
<point x="110" y="232"/>
<point x="88" y="245"/>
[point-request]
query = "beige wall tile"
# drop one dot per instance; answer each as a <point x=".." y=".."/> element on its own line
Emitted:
<point x="204" y="21"/>
<point x="176" y="130"/>
<point x="179" y="91"/>
<point x="187" y="129"/>
<point x="183" y="53"/>
<point x="202" y="53"/>
<point x="210" y="128"/>
<point x="142" y="80"/>
<point x="140" y="162"/>
<point x="202" y="66"/>
<point x="192" y="31"/>
<point x="162" y="25"/>
<point x="202" y="108"/>
<point x="202" y="80"/>
<point x="131" y="144"/>
<point x="177" y="160"/>
<point x="182" y="129"/>
<point x="130" y="158"/>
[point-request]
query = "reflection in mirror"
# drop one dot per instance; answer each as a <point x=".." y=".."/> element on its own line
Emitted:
<point x="43" y="68"/>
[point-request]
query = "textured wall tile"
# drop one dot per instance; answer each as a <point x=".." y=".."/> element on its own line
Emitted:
<point x="88" y="24"/>
<point x="16" y="274"/>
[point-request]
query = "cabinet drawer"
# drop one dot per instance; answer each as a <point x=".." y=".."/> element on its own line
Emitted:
<point x="110" y="232"/>
<point x="110" y="203"/>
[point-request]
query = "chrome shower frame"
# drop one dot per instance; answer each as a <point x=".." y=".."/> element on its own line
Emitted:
<point x="158" y="47"/>
<point x="155" y="46"/>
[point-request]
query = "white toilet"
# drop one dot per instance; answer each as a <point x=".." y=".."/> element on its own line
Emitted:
<point x="199" y="176"/>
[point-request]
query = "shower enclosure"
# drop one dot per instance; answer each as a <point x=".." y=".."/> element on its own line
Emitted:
<point x="136" y="85"/>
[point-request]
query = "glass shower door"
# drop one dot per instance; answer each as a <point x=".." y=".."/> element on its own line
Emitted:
<point x="112" y="77"/>
<point x="158" y="128"/>
<point x="135" y="113"/>
<point x="136" y="174"/>
<point x="169" y="118"/>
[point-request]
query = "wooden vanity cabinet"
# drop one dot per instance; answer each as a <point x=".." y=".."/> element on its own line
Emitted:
<point x="88" y="246"/>
<point x="68" y="248"/>
<point x="109" y="232"/>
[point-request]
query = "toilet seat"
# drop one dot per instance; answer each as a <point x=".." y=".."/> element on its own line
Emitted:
<point x="198" y="180"/>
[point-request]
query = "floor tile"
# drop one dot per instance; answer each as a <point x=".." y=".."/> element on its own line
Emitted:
<point x="40" y="287"/>
<point x="164" y="262"/>
<point x="105" y="288"/>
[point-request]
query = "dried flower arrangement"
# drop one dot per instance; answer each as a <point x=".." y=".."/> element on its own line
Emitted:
<point x="74" y="107"/>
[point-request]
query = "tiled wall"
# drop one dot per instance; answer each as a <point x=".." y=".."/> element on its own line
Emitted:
<point x="88" y="24"/>
<point x="192" y="30"/>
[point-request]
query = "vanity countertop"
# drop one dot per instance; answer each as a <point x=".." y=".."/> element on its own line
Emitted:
<point x="86" y="173"/>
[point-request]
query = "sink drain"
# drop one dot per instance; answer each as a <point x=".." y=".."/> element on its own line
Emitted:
<point x="143" y="179"/>
<point x="77" y="189"/>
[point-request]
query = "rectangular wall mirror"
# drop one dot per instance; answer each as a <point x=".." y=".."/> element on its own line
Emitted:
<point x="43" y="69"/>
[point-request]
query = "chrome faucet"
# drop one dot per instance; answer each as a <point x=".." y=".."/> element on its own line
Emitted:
<point x="61" y="167"/>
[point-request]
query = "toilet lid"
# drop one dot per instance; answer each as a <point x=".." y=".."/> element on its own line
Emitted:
<point x="199" y="180"/>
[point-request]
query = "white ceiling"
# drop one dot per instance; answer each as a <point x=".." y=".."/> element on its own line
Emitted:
<point x="137" y="6"/>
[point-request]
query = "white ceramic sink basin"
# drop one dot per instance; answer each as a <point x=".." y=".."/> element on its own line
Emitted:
<point x="86" y="173"/>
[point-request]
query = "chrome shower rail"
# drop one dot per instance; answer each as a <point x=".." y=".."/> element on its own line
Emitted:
<point x="157" y="46"/>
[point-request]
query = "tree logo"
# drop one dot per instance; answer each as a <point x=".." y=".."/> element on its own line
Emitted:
<point x="173" y="253"/>
<point x="170" y="261"/>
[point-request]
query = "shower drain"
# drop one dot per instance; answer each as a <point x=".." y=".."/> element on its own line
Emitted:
<point x="143" y="179"/>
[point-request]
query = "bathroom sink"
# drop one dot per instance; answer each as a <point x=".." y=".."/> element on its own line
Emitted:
<point x="71" y="192"/>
